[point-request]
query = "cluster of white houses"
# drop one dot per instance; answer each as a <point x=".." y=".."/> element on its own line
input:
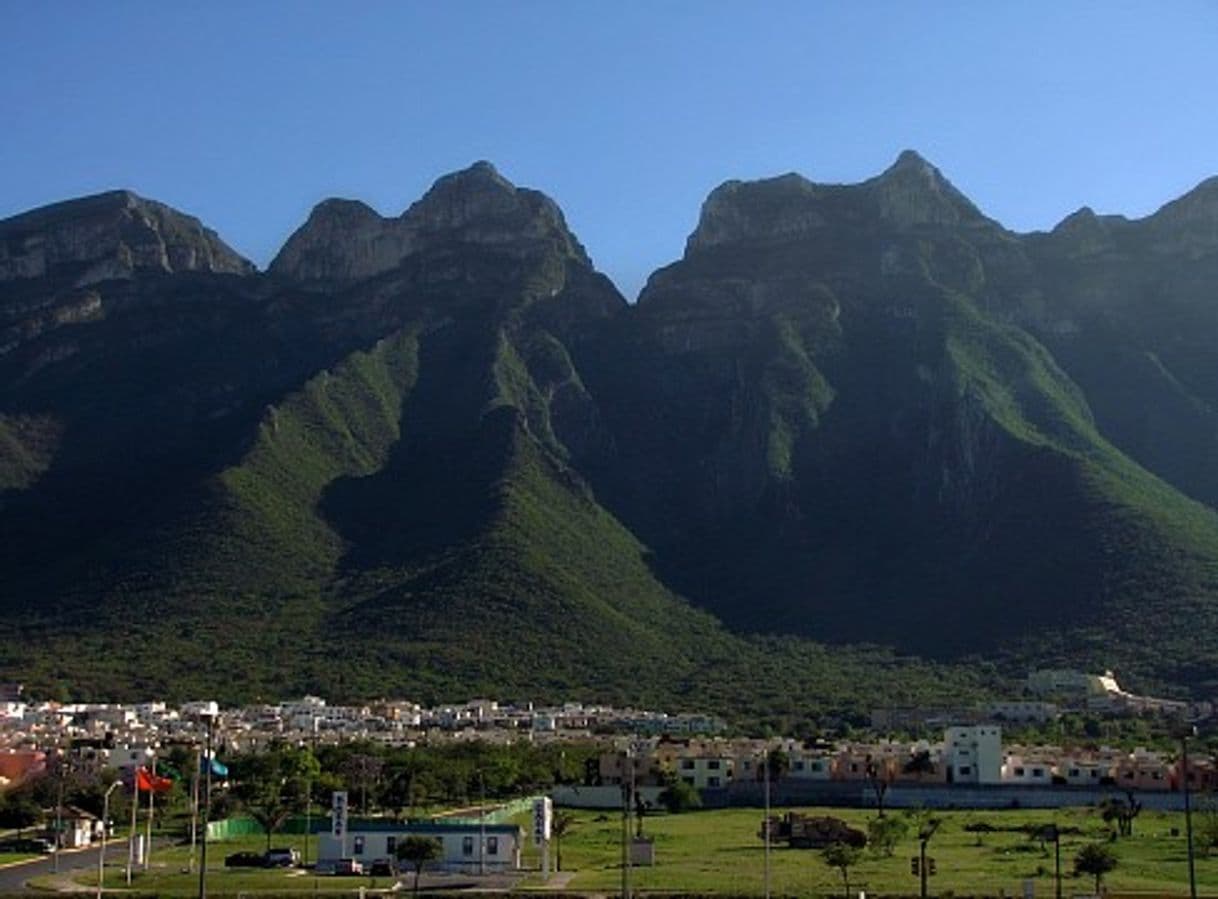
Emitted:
<point x="967" y="755"/>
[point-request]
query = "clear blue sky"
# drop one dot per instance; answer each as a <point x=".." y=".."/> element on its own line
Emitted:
<point x="627" y="113"/>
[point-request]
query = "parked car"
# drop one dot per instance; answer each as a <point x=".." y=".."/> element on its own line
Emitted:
<point x="29" y="844"/>
<point x="383" y="867"/>
<point x="326" y="866"/>
<point x="281" y="858"/>
<point x="348" y="866"/>
<point x="245" y="860"/>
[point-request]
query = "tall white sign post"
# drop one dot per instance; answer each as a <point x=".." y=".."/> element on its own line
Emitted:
<point x="543" y="816"/>
<point x="338" y="820"/>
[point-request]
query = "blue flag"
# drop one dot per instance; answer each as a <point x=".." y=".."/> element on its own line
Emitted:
<point x="218" y="769"/>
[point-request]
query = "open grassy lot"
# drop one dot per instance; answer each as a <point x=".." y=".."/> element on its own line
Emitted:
<point x="720" y="852"/>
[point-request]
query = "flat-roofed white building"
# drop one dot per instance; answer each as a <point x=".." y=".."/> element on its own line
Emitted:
<point x="465" y="847"/>
<point x="973" y="754"/>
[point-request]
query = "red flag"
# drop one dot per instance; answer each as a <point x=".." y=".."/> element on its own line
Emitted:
<point x="151" y="783"/>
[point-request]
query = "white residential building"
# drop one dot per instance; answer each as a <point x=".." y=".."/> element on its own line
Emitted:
<point x="973" y="754"/>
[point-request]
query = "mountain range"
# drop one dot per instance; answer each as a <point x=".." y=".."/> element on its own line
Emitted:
<point x="861" y="443"/>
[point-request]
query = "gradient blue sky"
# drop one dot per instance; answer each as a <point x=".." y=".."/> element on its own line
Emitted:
<point x="246" y="114"/>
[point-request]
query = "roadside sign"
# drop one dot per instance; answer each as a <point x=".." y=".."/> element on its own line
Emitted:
<point x="543" y="813"/>
<point x="338" y="814"/>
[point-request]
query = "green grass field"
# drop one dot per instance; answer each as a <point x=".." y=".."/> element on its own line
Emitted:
<point x="719" y="852"/>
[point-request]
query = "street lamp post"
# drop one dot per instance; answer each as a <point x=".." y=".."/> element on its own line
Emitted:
<point x="206" y="811"/>
<point x="59" y="767"/>
<point x="105" y="823"/>
<point x="766" y="769"/>
<point x="1188" y="810"/>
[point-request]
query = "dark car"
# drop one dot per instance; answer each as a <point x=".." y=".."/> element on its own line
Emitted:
<point x="281" y="858"/>
<point x="383" y="867"/>
<point x="245" y="860"/>
<point x="31" y="844"/>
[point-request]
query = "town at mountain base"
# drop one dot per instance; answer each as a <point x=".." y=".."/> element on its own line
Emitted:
<point x="860" y="445"/>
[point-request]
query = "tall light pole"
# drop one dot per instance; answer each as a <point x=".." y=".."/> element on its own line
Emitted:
<point x="1185" y="774"/>
<point x="59" y="767"/>
<point x="105" y="823"/>
<point x="766" y="767"/>
<point x="206" y="810"/>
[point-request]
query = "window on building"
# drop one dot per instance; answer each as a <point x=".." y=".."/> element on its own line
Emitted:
<point x="817" y="766"/>
<point x="965" y="770"/>
<point x="391" y="845"/>
<point x="712" y="781"/>
<point x="799" y="766"/>
<point x="1038" y="772"/>
<point x="492" y="845"/>
<point x="713" y="764"/>
<point x="687" y="764"/>
<point x="358" y="846"/>
<point x="1019" y="772"/>
<point x="1073" y="772"/>
<point x="854" y="767"/>
<point x="689" y="780"/>
<point x="467" y="845"/>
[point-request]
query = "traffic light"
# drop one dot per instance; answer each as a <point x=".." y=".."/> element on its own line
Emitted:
<point x="930" y="867"/>
<point x="913" y="866"/>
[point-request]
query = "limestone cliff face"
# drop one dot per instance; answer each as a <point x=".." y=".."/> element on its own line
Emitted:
<point x="109" y="236"/>
<point x="346" y="241"/>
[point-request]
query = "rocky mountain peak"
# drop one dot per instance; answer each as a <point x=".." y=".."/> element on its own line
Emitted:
<point x="913" y="192"/>
<point x="345" y="240"/>
<point x="115" y="234"/>
<point x="772" y="209"/>
<point x="1189" y="224"/>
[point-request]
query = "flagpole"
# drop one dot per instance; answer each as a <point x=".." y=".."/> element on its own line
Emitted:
<point x="133" y="834"/>
<point x="148" y="840"/>
<point x="194" y="808"/>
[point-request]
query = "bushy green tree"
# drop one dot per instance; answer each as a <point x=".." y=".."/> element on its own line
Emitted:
<point x="1095" y="859"/>
<point x="272" y="785"/>
<point x="418" y="852"/>
<point x="680" y="796"/>
<point x="883" y="834"/>
<point x="843" y="857"/>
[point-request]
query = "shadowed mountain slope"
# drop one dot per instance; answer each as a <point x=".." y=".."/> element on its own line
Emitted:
<point x="439" y="454"/>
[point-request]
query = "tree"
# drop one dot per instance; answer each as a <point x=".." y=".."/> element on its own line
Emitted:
<point x="680" y="796"/>
<point x="418" y="851"/>
<point x="883" y="834"/>
<point x="1097" y="860"/>
<point x="880" y="777"/>
<point x="362" y="770"/>
<point x="1122" y="813"/>
<point x="561" y="823"/>
<point x="843" y="857"/>
<point x="779" y="764"/>
<point x="272" y="785"/>
<point x="18" y="812"/>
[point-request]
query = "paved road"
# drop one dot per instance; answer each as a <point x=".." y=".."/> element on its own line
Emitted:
<point x="12" y="879"/>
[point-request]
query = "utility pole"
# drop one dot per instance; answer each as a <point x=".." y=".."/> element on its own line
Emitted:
<point x="206" y="811"/>
<point x="766" y="765"/>
<point x="924" y="835"/>
<point x="60" y="763"/>
<point x="1188" y="810"/>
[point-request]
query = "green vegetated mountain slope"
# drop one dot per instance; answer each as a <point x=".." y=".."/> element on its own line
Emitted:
<point x="439" y="455"/>
<point x="409" y="519"/>
<point x="848" y="433"/>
